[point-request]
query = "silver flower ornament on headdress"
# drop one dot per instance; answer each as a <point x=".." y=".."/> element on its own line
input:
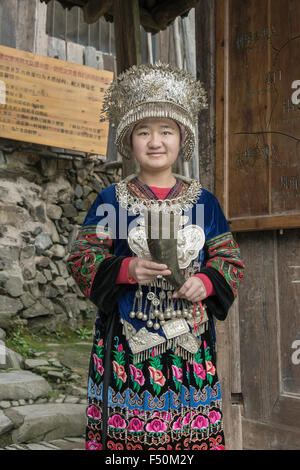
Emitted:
<point x="158" y="90"/>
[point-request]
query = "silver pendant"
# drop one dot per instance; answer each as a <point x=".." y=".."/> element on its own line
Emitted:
<point x="174" y="328"/>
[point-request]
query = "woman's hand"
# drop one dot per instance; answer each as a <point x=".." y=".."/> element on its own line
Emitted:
<point x="193" y="290"/>
<point x="144" y="271"/>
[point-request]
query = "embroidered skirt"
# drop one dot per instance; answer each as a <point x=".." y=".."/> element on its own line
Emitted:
<point x="164" y="403"/>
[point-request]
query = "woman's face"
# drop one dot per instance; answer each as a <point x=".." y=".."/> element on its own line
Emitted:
<point x="156" y="144"/>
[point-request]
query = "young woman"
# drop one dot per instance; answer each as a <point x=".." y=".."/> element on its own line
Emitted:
<point x="153" y="383"/>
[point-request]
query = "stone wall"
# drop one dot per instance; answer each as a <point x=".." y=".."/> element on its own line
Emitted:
<point x="45" y="193"/>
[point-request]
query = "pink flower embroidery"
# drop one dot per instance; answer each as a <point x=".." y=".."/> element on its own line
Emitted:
<point x="135" y="425"/>
<point x="98" y="363"/>
<point x="100" y="342"/>
<point x="177" y="372"/>
<point x="187" y="367"/>
<point x="157" y="376"/>
<point x="93" y="445"/>
<point x="137" y="375"/>
<point x="117" y="422"/>
<point x="186" y="419"/>
<point x="120" y="348"/>
<point x="210" y="368"/>
<point x="177" y="425"/>
<point x="120" y="371"/>
<point x="200" y="422"/>
<point x="94" y="413"/>
<point x="199" y="370"/>
<point x="214" y="416"/>
<point x="156" y="425"/>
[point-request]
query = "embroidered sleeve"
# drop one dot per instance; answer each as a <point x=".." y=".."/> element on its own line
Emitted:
<point x="224" y="256"/>
<point x="93" y="244"/>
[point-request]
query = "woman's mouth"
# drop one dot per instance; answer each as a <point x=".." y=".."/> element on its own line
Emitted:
<point x="155" y="154"/>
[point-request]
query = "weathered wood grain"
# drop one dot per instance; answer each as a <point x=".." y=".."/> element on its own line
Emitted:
<point x="258" y="142"/>
<point x="259" y="327"/>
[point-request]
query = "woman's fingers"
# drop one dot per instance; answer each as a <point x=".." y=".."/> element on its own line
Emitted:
<point x="155" y="268"/>
<point x="144" y="271"/>
<point x="193" y="290"/>
<point x="183" y="289"/>
<point x="150" y="268"/>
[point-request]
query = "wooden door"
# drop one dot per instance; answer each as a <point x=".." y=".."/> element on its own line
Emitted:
<point x="259" y="344"/>
<point x="269" y="307"/>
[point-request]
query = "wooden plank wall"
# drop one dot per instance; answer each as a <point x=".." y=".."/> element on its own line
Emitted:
<point x="228" y="349"/>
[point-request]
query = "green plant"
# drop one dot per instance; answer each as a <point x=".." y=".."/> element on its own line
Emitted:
<point x="19" y="343"/>
<point x="84" y="333"/>
<point x="59" y="334"/>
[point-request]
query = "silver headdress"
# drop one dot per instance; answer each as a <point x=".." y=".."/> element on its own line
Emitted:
<point x="158" y="90"/>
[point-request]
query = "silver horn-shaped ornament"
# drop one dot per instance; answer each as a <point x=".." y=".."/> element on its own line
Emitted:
<point x="162" y="242"/>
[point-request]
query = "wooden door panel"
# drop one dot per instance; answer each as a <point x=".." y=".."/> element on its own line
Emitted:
<point x="262" y="436"/>
<point x="258" y="155"/>
<point x="289" y="305"/>
<point x="269" y="325"/>
<point x="286" y="411"/>
<point x="258" y="325"/>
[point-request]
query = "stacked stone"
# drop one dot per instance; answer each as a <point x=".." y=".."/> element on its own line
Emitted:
<point x="44" y="196"/>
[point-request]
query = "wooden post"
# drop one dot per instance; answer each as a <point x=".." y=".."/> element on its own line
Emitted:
<point x="189" y="48"/>
<point x="205" y="62"/>
<point x="127" y="45"/>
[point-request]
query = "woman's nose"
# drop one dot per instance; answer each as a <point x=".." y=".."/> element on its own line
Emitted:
<point x="155" y="140"/>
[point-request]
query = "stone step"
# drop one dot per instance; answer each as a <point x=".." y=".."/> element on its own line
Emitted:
<point x="22" y="385"/>
<point x="43" y="422"/>
<point x="68" y="443"/>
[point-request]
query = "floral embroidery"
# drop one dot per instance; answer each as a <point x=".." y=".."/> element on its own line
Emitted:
<point x="135" y="426"/>
<point x="93" y="414"/>
<point x="210" y="368"/>
<point x="214" y="417"/>
<point x="117" y="422"/>
<point x="118" y="364"/>
<point x="92" y="245"/>
<point x="224" y="256"/>
<point x="200" y="422"/>
<point x="199" y="371"/>
<point x="150" y="425"/>
<point x="177" y="371"/>
<point x="187" y="419"/>
<point x="137" y="376"/>
<point x="156" y="426"/>
<point x="177" y="426"/>
<point x="93" y="445"/>
<point x="209" y="365"/>
<point x="157" y="378"/>
<point x="98" y="363"/>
